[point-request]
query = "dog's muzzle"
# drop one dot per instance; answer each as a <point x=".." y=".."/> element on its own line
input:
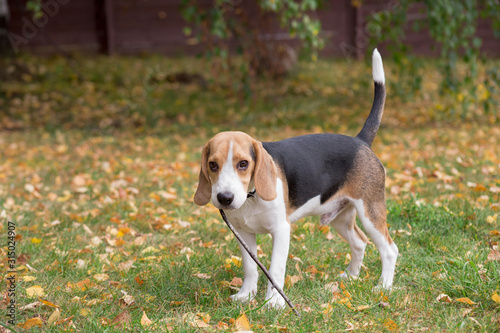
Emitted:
<point x="225" y="198"/>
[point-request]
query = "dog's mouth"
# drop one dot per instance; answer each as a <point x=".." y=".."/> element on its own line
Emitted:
<point x="221" y="206"/>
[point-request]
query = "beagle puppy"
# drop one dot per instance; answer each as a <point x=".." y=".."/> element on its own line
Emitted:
<point x="264" y="186"/>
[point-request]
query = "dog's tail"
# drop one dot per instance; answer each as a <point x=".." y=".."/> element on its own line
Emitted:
<point x="369" y="130"/>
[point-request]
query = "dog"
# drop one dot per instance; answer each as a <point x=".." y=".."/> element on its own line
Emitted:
<point x="263" y="187"/>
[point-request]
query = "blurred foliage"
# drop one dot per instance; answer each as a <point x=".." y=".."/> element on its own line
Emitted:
<point x="453" y="25"/>
<point x="256" y="31"/>
<point x="106" y="94"/>
<point x="35" y="6"/>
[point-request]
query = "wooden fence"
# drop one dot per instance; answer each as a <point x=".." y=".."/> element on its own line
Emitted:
<point x="156" y="26"/>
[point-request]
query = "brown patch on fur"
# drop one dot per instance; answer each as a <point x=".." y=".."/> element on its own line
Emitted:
<point x="366" y="181"/>
<point x="265" y="174"/>
<point x="361" y="235"/>
<point x="204" y="190"/>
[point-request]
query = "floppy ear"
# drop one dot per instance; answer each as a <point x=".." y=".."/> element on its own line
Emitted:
<point x="204" y="190"/>
<point x="264" y="173"/>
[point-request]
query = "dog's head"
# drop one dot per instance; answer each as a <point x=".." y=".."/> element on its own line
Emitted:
<point x="232" y="163"/>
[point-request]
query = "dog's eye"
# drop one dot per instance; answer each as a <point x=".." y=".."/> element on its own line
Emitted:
<point x="213" y="166"/>
<point x="242" y="165"/>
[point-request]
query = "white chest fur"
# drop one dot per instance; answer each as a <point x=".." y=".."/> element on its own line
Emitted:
<point x="257" y="216"/>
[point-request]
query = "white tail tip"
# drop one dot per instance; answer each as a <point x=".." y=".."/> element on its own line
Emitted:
<point x="378" y="67"/>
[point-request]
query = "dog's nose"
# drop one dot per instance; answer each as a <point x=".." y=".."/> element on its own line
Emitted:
<point x="225" y="198"/>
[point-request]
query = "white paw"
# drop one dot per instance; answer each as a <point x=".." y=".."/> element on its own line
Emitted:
<point x="275" y="301"/>
<point x="381" y="288"/>
<point x="346" y="275"/>
<point x="243" y="297"/>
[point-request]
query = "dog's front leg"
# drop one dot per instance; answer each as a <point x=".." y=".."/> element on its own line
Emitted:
<point x="281" y="243"/>
<point x="251" y="274"/>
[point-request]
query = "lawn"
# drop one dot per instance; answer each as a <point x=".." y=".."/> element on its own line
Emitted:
<point x="99" y="160"/>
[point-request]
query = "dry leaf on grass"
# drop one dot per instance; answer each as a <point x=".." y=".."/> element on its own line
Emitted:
<point x="126" y="300"/>
<point x="54" y="317"/>
<point x="465" y="300"/>
<point x="390" y="325"/>
<point x="30" y="306"/>
<point x="122" y="320"/>
<point x="332" y="287"/>
<point x="202" y="276"/>
<point x="139" y="280"/>
<point x="48" y="303"/>
<point x="290" y="280"/>
<point x="236" y="282"/>
<point x="101" y="277"/>
<point x="494" y="255"/>
<point x="35" y="291"/>
<point x="126" y="265"/>
<point x="444" y="298"/>
<point x="28" y="278"/>
<point x="32" y="322"/>
<point x="145" y="321"/>
<point x="242" y="323"/>
<point x="361" y="307"/>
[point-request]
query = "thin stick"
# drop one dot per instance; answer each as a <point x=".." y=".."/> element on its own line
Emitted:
<point x="262" y="267"/>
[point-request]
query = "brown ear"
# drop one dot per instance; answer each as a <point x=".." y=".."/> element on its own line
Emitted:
<point x="264" y="173"/>
<point x="204" y="190"/>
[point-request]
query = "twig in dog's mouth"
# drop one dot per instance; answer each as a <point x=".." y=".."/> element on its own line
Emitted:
<point x="262" y="267"/>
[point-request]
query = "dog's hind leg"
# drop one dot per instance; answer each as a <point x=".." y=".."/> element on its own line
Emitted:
<point x="373" y="216"/>
<point x="345" y="224"/>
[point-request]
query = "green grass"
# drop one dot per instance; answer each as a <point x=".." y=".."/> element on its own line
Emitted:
<point x="98" y="168"/>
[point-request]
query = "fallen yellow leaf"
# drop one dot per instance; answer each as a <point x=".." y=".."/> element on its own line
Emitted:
<point x="362" y="307"/>
<point x="390" y="324"/>
<point x="494" y="233"/>
<point x="491" y="219"/>
<point x="28" y="278"/>
<point x="242" y="323"/>
<point x="34" y="291"/>
<point x="54" y="317"/>
<point x="236" y="261"/>
<point x="465" y="300"/>
<point x="84" y="284"/>
<point x="84" y="312"/>
<point x="47" y="303"/>
<point x="101" y="277"/>
<point x="35" y="240"/>
<point x="204" y="316"/>
<point x="145" y="321"/>
<point x="31" y="323"/>
<point x="495" y="297"/>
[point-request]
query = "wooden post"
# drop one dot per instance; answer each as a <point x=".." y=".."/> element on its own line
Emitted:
<point x="105" y="26"/>
<point x="358" y="27"/>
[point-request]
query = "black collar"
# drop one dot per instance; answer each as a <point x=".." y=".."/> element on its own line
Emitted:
<point x="251" y="194"/>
